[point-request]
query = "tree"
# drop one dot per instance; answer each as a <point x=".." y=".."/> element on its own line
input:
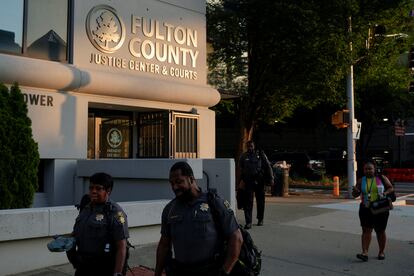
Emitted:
<point x="284" y="54"/>
<point x="381" y="79"/>
<point x="106" y="29"/>
<point x="19" y="153"/>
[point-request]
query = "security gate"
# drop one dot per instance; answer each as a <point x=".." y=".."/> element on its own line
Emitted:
<point x="168" y="135"/>
<point x="184" y="135"/>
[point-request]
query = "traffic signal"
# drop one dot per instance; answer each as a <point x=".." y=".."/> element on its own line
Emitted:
<point x="340" y="119"/>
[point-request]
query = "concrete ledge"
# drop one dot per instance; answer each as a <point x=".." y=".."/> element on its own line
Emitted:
<point x="409" y="201"/>
<point x="145" y="213"/>
<point x="19" y="224"/>
<point x="24" y="223"/>
<point x="135" y="168"/>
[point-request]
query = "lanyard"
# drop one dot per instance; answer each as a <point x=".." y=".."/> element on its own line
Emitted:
<point x="370" y="187"/>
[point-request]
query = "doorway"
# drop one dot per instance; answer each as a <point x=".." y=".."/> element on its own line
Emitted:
<point x="109" y="134"/>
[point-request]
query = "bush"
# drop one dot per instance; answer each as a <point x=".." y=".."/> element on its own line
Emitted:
<point x="19" y="155"/>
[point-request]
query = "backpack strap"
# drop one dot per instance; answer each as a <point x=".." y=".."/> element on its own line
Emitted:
<point x="110" y="219"/>
<point x="211" y="197"/>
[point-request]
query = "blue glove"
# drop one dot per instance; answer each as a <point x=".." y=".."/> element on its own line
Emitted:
<point x="60" y="244"/>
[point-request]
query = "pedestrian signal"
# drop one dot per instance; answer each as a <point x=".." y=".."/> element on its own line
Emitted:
<point x="340" y="119"/>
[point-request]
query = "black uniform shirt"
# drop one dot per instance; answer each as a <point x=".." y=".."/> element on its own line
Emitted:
<point x="192" y="229"/>
<point x="250" y="165"/>
<point x="97" y="226"/>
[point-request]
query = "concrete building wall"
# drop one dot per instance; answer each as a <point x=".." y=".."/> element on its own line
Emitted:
<point x="155" y="61"/>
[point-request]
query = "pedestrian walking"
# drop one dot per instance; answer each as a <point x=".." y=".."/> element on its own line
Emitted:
<point x="372" y="187"/>
<point x="101" y="233"/>
<point x="255" y="173"/>
<point x="191" y="241"/>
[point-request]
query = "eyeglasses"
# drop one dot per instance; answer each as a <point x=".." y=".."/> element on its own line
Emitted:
<point x="98" y="188"/>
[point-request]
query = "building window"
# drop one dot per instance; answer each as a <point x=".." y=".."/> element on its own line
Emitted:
<point x="35" y="28"/>
<point x="11" y="26"/>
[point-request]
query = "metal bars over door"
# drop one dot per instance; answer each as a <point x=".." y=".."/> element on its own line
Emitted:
<point x="184" y="135"/>
<point x="168" y="135"/>
<point x="153" y="135"/>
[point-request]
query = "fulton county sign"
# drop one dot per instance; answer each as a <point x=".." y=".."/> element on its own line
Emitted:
<point x="154" y="46"/>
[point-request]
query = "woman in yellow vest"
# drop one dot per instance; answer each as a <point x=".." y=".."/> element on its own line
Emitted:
<point x="372" y="187"/>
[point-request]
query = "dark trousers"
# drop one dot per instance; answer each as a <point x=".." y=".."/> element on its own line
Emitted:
<point x="258" y="191"/>
<point x="94" y="271"/>
<point x="87" y="266"/>
<point x="202" y="269"/>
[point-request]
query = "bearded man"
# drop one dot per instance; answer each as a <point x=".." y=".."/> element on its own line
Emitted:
<point x="191" y="240"/>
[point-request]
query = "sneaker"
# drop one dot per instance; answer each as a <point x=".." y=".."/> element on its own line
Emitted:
<point x="260" y="223"/>
<point x="248" y="226"/>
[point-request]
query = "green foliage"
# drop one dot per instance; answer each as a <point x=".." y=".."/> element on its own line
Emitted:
<point x="18" y="151"/>
<point x="282" y="55"/>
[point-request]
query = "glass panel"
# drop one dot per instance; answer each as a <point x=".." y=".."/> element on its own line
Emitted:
<point x="91" y="136"/>
<point x="47" y="24"/>
<point x="115" y="137"/>
<point x="11" y="26"/>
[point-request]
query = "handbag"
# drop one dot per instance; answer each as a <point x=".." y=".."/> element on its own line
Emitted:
<point x="381" y="206"/>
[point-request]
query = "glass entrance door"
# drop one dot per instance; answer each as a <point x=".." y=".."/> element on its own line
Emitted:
<point x="109" y="134"/>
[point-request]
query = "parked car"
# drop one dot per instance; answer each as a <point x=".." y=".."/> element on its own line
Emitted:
<point x="301" y="164"/>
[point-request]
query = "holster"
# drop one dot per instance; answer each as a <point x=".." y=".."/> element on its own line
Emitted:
<point x="73" y="257"/>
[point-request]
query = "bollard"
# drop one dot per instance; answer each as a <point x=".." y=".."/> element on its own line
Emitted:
<point x="336" y="186"/>
<point x="285" y="182"/>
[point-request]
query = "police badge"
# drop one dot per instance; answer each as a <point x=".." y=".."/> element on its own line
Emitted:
<point x="99" y="217"/>
<point x="204" y="207"/>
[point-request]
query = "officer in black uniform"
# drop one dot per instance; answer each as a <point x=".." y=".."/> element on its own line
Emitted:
<point x="101" y="232"/>
<point x="255" y="173"/>
<point x="189" y="233"/>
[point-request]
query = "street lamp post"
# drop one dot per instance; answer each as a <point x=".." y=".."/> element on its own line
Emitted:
<point x="350" y="106"/>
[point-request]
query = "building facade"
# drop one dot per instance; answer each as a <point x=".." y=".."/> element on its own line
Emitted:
<point x="110" y="80"/>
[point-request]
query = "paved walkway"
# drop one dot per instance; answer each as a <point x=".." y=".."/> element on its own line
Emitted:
<point x="310" y="234"/>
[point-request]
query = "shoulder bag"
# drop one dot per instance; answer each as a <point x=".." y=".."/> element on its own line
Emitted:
<point x="381" y="205"/>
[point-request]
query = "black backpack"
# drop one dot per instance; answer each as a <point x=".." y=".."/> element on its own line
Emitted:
<point x="83" y="203"/>
<point x="250" y="258"/>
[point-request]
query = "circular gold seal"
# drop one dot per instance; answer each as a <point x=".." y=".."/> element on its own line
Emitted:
<point x="105" y="29"/>
<point x="114" y="137"/>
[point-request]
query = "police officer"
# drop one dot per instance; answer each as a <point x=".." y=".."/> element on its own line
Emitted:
<point x="101" y="232"/>
<point x="255" y="173"/>
<point x="191" y="240"/>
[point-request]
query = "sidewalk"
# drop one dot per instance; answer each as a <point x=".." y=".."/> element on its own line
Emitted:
<point x="310" y="234"/>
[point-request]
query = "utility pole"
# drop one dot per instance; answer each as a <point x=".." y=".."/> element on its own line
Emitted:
<point x="350" y="107"/>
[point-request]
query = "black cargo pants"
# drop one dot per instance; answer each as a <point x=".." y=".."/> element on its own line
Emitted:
<point x="259" y="192"/>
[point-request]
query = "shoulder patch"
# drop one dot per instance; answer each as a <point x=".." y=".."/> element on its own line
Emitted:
<point x="227" y="204"/>
<point x="120" y="217"/>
